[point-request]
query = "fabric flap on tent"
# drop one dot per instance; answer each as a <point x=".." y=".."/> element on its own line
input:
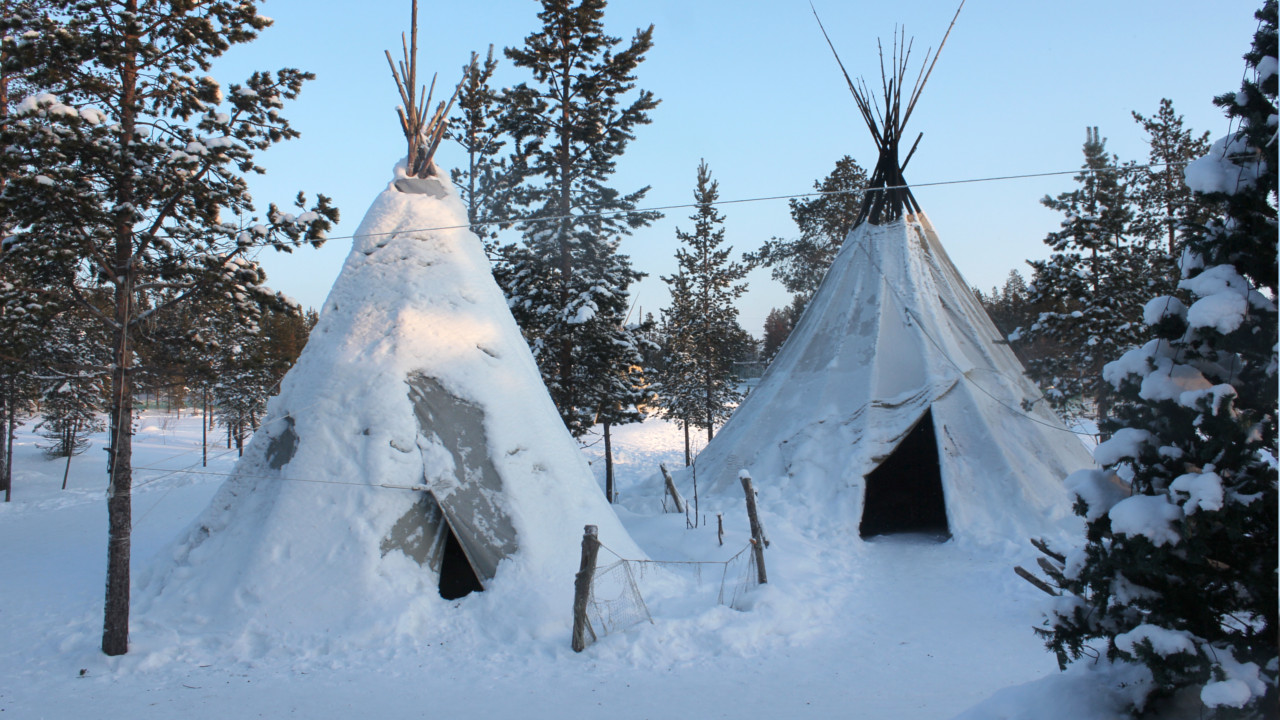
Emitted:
<point x="460" y="474"/>
<point x="892" y="419"/>
<point x="419" y="533"/>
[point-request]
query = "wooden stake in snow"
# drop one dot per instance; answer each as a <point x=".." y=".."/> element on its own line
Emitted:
<point x="676" y="497"/>
<point x="758" y="541"/>
<point x="582" y="587"/>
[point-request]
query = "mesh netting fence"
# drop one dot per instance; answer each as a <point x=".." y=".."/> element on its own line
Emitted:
<point x="616" y="602"/>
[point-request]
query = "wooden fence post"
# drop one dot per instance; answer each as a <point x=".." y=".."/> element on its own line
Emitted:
<point x="582" y="586"/>
<point x="671" y="488"/>
<point x="757" y="531"/>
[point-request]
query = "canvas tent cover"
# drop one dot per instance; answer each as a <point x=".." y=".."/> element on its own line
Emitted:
<point x="892" y="334"/>
<point x="416" y="375"/>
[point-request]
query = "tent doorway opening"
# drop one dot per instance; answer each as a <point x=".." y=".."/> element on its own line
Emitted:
<point x="904" y="494"/>
<point x="457" y="578"/>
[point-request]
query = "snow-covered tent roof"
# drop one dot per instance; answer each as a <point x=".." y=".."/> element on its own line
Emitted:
<point x="893" y="405"/>
<point x="415" y="412"/>
<point x="894" y="359"/>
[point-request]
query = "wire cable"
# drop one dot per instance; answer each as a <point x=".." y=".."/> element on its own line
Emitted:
<point x="527" y="219"/>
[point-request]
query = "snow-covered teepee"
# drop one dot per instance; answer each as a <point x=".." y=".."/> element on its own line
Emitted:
<point x="412" y="456"/>
<point x="893" y="404"/>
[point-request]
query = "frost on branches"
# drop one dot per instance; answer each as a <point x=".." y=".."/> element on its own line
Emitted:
<point x="1177" y="573"/>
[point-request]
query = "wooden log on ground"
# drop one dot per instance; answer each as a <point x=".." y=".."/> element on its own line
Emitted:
<point x="582" y="586"/>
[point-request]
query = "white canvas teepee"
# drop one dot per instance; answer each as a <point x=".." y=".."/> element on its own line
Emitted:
<point x="414" y="413"/>
<point x="413" y="455"/>
<point x="893" y="400"/>
<point x="894" y="342"/>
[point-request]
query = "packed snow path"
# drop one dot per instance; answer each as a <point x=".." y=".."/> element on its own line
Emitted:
<point x="900" y="627"/>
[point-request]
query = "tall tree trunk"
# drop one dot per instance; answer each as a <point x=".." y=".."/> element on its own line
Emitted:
<point x="608" y="465"/>
<point x="71" y="445"/>
<point x="688" y="456"/>
<point x="568" y="388"/>
<point x="4" y="422"/>
<point x="204" y="430"/>
<point x="8" y="441"/>
<point x="6" y="426"/>
<point x="8" y="403"/>
<point x="115" y="625"/>
<point x="711" y="424"/>
<point x="115" y="631"/>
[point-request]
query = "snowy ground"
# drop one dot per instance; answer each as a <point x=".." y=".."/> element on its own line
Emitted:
<point x="903" y="627"/>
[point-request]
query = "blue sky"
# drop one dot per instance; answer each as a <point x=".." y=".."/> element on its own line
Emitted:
<point x="751" y="87"/>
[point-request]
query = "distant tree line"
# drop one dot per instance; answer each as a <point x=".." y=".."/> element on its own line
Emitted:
<point x="1119" y="242"/>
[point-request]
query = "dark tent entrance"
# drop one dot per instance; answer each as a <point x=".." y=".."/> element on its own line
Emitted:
<point x="904" y="494"/>
<point x="457" y="577"/>
<point x="427" y="535"/>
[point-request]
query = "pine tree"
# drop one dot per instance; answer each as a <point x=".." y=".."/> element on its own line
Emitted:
<point x="614" y="381"/>
<point x="1163" y="201"/>
<point x="1090" y="287"/>
<point x="1178" y="569"/>
<point x="567" y="283"/>
<point x="21" y="324"/>
<point x="677" y="386"/>
<point x="22" y="328"/>
<point x="486" y="184"/>
<point x="702" y="323"/>
<point x="248" y="365"/>
<point x="73" y="365"/>
<point x="824" y="222"/>
<point x="126" y="177"/>
<point x="777" y="328"/>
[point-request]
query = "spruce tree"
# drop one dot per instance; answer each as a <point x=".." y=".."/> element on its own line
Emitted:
<point x="703" y="321"/>
<point x="1090" y="287"/>
<point x="567" y="283"/>
<point x="127" y="177"/>
<point x="1178" y="569"/>
<point x="824" y="222"/>
<point x="615" y="382"/>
